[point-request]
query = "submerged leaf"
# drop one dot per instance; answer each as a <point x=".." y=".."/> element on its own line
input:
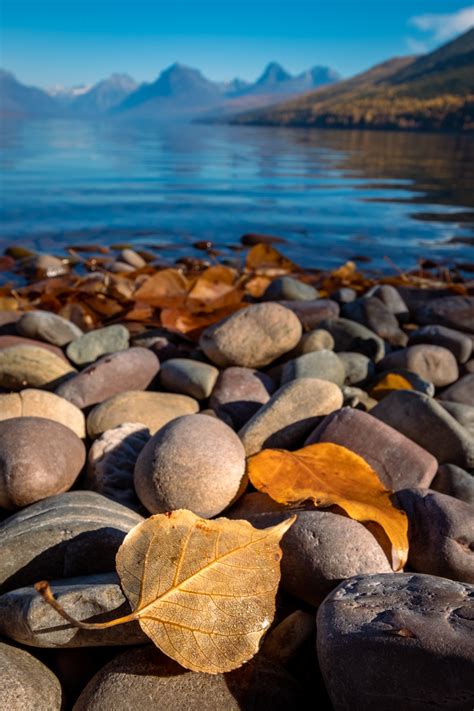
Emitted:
<point x="203" y="591"/>
<point x="328" y="474"/>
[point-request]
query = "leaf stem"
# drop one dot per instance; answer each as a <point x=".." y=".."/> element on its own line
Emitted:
<point x="44" y="589"/>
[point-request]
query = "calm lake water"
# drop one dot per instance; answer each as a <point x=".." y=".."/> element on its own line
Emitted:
<point x="332" y="195"/>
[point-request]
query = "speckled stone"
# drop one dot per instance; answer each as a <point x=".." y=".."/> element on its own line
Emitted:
<point x="40" y="403"/>
<point x="25" y="683"/>
<point x="239" y="393"/>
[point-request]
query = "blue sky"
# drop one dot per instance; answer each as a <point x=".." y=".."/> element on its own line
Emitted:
<point x="49" y="42"/>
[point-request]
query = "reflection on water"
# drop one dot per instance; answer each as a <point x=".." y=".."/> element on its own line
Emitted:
<point x="331" y="194"/>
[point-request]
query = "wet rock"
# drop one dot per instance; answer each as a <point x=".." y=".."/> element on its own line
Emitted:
<point x="151" y="409"/>
<point x="452" y="311"/>
<point x="26" y="618"/>
<point x="358" y="367"/>
<point x="352" y="336"/>
<point x="324" y="365"/>
<point x="129" y="256"/>
<point x="312" y="313"/>
<point x="195" y="462"/>
<point x="49" y="327"/>
<point x="133" y="369"/>
<point x="239" y="393"/>
<point x="317" y="340"/>
<point x="76" y="533"/>
<point x="39" y="458"/>
<point x="458" y="343"/>
<point x="31" y="366"/>
<point x="372" y="313"/>
<point x="432" y="363"/>
<point x="145" y="679"/>
<point x="111" y="461"/>
<point x="462" y="391"/>
<point x="392" y="299"/>
<point x="454" y="481"/>
<point x="40" y="403"/>
<point x="290" y="414"/>
<point x="440" y="534"/>
<point x="26" y="683"/>
<point x="399" y="462"/>
<point x="252" y="337"/>
<point x="375" y="630"/>
<point x="190" y="377"/>
<point x="93" y="345"/>
<point x="287" y="287"/>
<point x="427" y="423"/>
<point x="319" y="550"/>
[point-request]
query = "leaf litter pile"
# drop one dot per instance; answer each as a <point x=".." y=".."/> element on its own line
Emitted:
<point x="211" y="591"/>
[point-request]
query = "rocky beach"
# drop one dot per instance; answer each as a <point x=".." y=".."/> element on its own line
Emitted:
<point x="133" y="388"/>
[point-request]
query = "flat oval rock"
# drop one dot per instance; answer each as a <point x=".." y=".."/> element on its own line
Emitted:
<point x="23" y="366"/>
<point x="452" y="311"/>
<point x="26" y="618"/>
<point x="48" y="327"/>
<point x="312" y="313"/>
<point x="457" y="342"/>
<point x="462" y="391"/>
<point x="93" y="345"/>
<point x="286" y="287"/>
<point x="353" y="336"/>
<point x="132" y="369"/>
<point x="252" y="337"/>
<point x="41" y="403"/>
<point x="76" y="533"/>
<point x="435" y="364"/>
<point x="374" y="314"/>
<point x="239" y="393"/>
<point x="189" y="377"/>
<point x="147" y="680"/>
<point x="111" y="461"/>
<point x="13" y="340"/>
<point x="26" y="684"/>
<point x="38" y="458"/>
<point x="151" y="409"/>
<point x="400" y="641"/>
<point x="290" y="414"/>
<point x="324" y="365"/>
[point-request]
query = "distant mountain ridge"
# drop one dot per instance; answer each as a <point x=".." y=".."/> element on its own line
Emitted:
<point x="178" y="91"/>
<point x="431" y="92"/>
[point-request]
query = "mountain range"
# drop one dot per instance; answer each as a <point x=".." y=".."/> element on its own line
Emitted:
<point x="178" y="91"/>
<point x="431" y="92"/>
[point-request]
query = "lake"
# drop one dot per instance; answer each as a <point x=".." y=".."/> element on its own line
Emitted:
<point x="333" y="195"/>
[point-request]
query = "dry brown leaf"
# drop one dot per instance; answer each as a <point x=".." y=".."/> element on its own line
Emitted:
<point x="165" y="289"/>
<point x="214" y="289"/>
<point x="389" y="383"/>
<point x="203" y="591"/>
<point x="256" y="286"/>
<point x="191" y="325"/>
<point x="265" y="259"/>
<point x="328" y="474"/>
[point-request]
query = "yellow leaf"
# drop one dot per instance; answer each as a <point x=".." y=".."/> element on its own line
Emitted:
<point x="165" y="289"/>
<point x="389" y="383"/>
<point x="329" y="474"/>
<point x="203" y="591"/>
<point x="214" y="289"/>
<point x="264" y="259"/>
<point x="191" y="325"/>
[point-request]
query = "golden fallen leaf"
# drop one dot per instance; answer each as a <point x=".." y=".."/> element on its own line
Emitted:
<point x="203" y="591"/>
<point x="165" y="289"/>
<point x="389" y="383"/>
<point x="214" y="289"/>
<point x="329" y="474"/>
<point x="265" y="259"/>
<point x="192" y="325"/>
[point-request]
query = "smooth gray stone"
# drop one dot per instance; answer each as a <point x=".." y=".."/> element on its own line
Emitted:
<point x="76" y="533"/>
<point x="48" y="327"/>
<point x="424" y="420"/>
<point x="93" y="345"/>
<point x="454" y="481"/>
<point x="317" y="340"/>
<point x="399" y="641"/>
<point x="239" y="393"/>
<point x="457" y="342"/>
<point x="146" y="679"/>
<point x="372" y="313"/>
<point x="464" y="414"/>
<point x="359" y="368"/>
<point x="391" y="298"/>
<point x="129" y="256"/>
<point x="462" y="391"/>
<point x="434" y="364"/>
<point x="452" y="311"/>
<point x="324" y="365"/>
<point x="287" y="287"/>
<point x="312" y="313"/>
<point x="25" y="683"/>
<point x="320" y="549"/>
<point x="344" y="295"/>
<point x="440" y="534"/>
<point x="189" y="377"/>
<point x="353" y="336"/>
<point x="26" y="618"/>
